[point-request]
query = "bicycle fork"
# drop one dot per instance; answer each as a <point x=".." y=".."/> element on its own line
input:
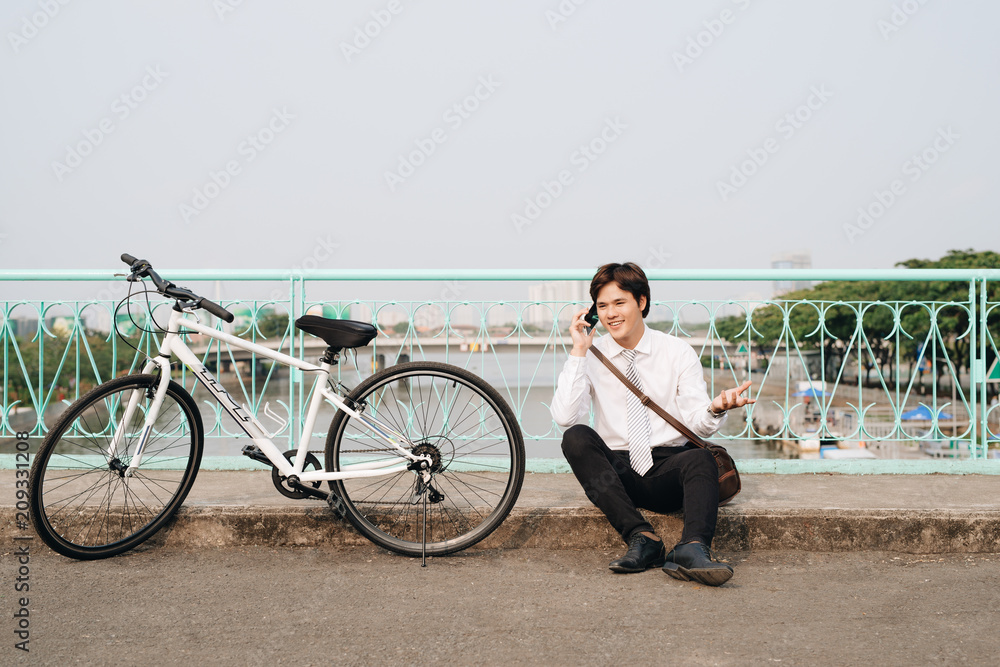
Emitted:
<point x="117" y="440"/>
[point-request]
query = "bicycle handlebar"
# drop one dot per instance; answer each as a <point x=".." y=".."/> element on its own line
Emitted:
<point x="217" y="310"/>
<point x="142" y="268"/>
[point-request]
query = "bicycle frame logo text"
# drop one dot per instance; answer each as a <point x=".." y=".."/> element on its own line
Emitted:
<point x="231" y="406"/>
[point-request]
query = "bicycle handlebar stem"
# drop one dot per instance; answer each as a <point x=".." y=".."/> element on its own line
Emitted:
<point x="141" y="268"/>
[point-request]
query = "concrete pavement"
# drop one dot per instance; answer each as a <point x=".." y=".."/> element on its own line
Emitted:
<point x="363" y="606"/>
<point x="830" y="569"/>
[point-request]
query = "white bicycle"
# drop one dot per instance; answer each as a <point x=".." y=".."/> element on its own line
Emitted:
<point x="422" y="458"/>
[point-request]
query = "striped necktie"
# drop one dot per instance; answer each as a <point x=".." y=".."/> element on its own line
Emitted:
<point x="640" y="455"/>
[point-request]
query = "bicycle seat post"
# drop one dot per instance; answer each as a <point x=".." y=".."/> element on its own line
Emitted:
<point x="331" y="356"/>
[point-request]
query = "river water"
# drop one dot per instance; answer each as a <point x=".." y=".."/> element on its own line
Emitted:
<point x="525" y="381"/>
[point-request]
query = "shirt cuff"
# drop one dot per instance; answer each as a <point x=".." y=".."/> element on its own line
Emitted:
<point x="574" y="364"/>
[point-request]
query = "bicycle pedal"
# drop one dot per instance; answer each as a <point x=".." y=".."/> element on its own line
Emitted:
<point x="253" y="452"/>
<point x="336" y="505"/>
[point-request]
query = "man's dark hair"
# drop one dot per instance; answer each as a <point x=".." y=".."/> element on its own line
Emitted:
<point x="628" y="276"/>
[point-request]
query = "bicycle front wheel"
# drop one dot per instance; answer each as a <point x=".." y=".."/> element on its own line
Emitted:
<point x="463" y="425"/>
<point x="85" y="503"/>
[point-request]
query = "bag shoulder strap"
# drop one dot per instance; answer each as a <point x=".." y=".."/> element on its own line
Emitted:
<point x="649" y="403"/>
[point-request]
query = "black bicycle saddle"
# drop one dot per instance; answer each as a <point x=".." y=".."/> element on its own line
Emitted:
<point x="338" y="334"/>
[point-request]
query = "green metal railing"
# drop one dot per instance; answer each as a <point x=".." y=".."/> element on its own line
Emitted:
<point x="904" y="378"/>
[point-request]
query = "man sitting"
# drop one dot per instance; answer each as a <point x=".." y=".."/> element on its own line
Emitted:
<point x="633" y="458"/>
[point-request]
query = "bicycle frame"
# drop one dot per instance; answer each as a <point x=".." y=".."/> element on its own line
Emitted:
<point x="173" y="345"/>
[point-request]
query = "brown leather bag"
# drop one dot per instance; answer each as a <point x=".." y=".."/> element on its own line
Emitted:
<point x="729" y="477"/>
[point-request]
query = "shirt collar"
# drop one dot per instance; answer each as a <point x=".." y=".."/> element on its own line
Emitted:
<point x="642" y="347"/>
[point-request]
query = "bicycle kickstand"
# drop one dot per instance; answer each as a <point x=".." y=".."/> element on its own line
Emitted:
<point x="423" y="534"/>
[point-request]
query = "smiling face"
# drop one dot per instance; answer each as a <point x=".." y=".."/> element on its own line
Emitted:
<point x="621" y="315"/>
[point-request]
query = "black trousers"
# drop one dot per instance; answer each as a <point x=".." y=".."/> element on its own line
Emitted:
<point x="681" y="477"/>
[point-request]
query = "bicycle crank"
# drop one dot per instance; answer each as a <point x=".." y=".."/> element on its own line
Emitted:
<point x="281" y="482"/>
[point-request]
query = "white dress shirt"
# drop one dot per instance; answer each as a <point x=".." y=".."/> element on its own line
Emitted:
<point x="671" y="374"/>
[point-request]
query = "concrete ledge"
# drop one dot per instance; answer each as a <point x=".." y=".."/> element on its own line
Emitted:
<point x="904" y="531"/>
<point x="902" y="513"/>
<point x="569" y="528"/>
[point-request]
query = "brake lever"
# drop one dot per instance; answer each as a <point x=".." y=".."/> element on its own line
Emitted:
<point x="190" y="307"/>
<point x="135" y="273"/>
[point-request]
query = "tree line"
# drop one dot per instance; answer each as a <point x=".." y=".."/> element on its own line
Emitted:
<point x="917" y="323"/>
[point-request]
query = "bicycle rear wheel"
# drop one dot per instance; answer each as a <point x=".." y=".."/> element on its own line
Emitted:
<point x="471" y="436"/>
<point x="83" y="505"/>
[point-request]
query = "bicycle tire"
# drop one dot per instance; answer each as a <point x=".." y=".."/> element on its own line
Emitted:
<point x="478" y="463"/>
<point x="82" y="503"/>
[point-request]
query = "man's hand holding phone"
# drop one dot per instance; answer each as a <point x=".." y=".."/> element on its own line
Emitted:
<point x="581" y="330"/>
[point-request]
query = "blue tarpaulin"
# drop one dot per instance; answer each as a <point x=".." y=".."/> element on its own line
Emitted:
<point x="924" y="413"/>
<point x="813" y="392"/>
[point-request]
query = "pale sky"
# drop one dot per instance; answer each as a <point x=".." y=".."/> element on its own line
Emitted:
<point x="688" y="135"/>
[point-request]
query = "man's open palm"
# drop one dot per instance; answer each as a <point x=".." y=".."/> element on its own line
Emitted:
<point x="732" y="398"/>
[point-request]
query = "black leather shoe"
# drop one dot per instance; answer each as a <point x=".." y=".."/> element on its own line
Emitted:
<point x="694" y="561"/>
<point x="643" y="553"/>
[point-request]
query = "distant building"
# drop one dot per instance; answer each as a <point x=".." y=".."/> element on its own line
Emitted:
<point x="388" y="316"/>
<point x="555" y="296"/>
<point x="99" y="318"/>
<point x="429" y="319"/>
<point x="791" y="260"/>
<point x="24" y="327"/>
<point x="501" y="316"/>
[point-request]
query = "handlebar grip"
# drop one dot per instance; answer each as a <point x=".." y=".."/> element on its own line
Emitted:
<point x="217" y="310"/>
<point x="128" y="259"/>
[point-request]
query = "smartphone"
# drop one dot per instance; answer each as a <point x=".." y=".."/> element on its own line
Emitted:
<point x="591" y="319"/>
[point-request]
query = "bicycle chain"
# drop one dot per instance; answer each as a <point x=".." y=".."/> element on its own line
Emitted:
<point x="368" y="451"/>
<point x="357" y="451"/>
